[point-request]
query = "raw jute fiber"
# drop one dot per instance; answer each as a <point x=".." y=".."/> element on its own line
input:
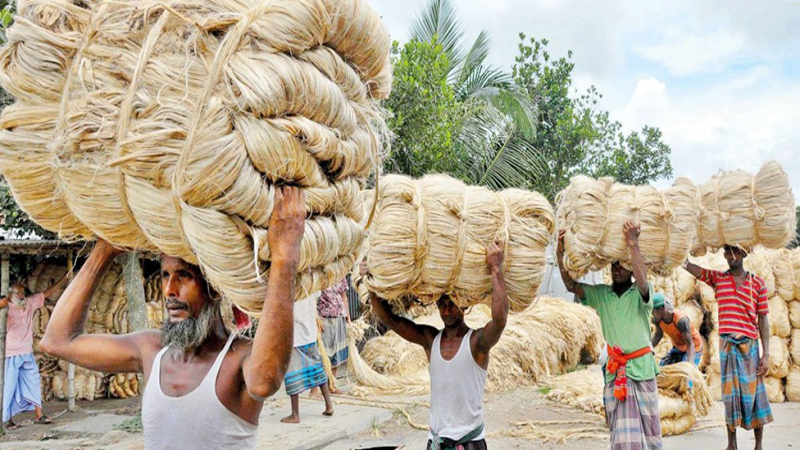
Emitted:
<point x="167" y="125"/>
<point x="593" y="212"/>
<point x="786" y="267"/>
<point x="429" y="238"/>
<point x="746" y="210"/>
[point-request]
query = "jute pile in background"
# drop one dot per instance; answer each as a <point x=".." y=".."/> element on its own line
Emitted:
<point x="593" y="212"/>
<point x="679" y="405"/>
<point x="108" y="313"/>
<point x="744" y="210"/>
<point x="429" y="238"/>
<point x="546" y="339"/>
<point x="166" y="125"/>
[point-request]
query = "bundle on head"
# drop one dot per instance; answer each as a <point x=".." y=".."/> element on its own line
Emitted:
<point x="594" y="211"/>
<point x="743" y="210"/>
<point x="430" y="235"/>
<point x="167" y="125"/>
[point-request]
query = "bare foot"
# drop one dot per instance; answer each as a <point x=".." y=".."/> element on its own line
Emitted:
<point x="291" y="419"/>
<point x="335" y="391"/>
<point x="328" y="411"/>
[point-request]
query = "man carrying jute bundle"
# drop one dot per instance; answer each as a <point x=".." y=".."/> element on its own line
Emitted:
<point x="631" y="394"/>
<point x="743" y="309"/>
<point x="459" y="359"/>
<point x="22" y="388"/>
<point x="686" y="342"/>
<point x="205" y="385"/>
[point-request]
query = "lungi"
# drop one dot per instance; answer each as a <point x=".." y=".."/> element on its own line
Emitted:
<point x="305" y="370"/>
<point x="635" y="424"/>
<point x="22" y="389"/>
<point x="334" y="336"/>
<point x="743" y="391"/>
<point x="676" y="355"/>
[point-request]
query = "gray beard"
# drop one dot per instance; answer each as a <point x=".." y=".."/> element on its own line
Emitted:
<point x="190" y="332"/>
<point x="17" y="301"/>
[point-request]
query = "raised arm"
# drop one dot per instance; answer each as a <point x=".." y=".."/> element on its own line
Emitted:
<point x="693" y="269"/>
<point x="631" y="231"/>
<point x="4" y="302"/>
<point x="263" y="370"/>
<point x="55" y="286"/>
<point x="571" y="285"/>
<point x="415" y="333"/>
<point x="65" y="339"/>
<point x="489" y="335"/>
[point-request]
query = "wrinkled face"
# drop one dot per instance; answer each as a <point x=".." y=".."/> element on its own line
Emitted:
<point x="734" y="256"/>
<point x="620" y="274"/>
<point x="451" y="314"/>
<point x="185" y="289"/>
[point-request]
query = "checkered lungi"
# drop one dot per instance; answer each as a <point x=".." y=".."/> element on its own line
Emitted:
<point x="635" y="424"/>
<point x="305" y="370"/>
<point x="743" y="391"/>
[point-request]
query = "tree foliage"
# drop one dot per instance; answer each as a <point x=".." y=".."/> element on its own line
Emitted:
<point x="576" y="137"/>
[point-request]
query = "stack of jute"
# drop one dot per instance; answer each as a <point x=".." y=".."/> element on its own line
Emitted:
<point x="167" y="125"/>
<point x="593" y="211"/>
<point x="680" y="406"/>
<point x="784" y="320"/>
<point x="545" y="340"/>
<point x="745" y="210"/>
<point x="429" y="238"/>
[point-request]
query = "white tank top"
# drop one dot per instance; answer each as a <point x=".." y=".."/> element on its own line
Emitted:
<point x="197" y="420"/>
<point x="456" y="392"/>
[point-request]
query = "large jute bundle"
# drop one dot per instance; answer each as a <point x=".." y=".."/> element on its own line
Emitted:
<point x="679" y="286"/>
<point x="44" y="275"/>
<point x="794" y="348"/>
<point x="793" y="384"/>
<point x="759" y="262"/>
<point x="744" y="210"/>
<point x="547" y="339"/>
<point x="122" y="385"/>
<point x="693" y="312"/>
<point x="775" y="389"/>
<point x="593" y="212"/>
<point x="778" y="357"/>
<point x="85" y="385"/>
<point x="779" y="324"/>
<point x="786" y="267"/>
<point x="794" y="313"/>
<point x="429" y="238"/>
<point x="166" y="125"/>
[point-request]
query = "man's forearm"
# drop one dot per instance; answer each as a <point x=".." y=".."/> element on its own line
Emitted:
<point x="569" y="282"/>
<point x="763" y="331"/>
<point x="499" y="298"/>
<point x="693" y="269"/>
<point x="69" y="316"/>
<point x="639" y="270"/>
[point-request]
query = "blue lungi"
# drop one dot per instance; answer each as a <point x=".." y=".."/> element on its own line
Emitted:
<point x="22" y="390"/>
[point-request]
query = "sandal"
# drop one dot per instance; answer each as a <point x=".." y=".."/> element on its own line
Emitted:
<point x="11" y="426"/>
<point x="44" y="420"/>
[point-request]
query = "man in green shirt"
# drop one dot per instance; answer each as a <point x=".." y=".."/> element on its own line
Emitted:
<point x="631" y="393"/>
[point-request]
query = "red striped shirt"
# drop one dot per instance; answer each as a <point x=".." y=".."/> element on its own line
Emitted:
<point x="739" y="307"/>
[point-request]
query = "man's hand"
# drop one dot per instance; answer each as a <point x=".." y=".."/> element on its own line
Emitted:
<point x="495" y="255"/>
<point x="631" y="231"/>
<point x="763" y="365"/>
<point x="106" y="250"/>
<point x="286" y="225"/>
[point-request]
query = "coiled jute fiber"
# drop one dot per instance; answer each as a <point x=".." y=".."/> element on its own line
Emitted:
<point x="786" y="267"/>
<point x="779" y="323"/>
<point x="166" y="125"/>
<point x="429" y="238"/>
<point x="743" y="210"/>
<point x="593" y="212"/>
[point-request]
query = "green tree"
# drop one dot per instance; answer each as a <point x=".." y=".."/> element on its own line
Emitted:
<point x="574" y="135"/>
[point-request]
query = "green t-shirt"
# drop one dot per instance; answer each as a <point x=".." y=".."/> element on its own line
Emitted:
<point x="626" y="323"/>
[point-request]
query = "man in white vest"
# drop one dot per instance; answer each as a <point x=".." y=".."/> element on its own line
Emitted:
<point x="205" y="386"/>
<point x="459" y="358"/>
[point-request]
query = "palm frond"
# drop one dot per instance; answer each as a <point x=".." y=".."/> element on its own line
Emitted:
<point x="439" y="21"/>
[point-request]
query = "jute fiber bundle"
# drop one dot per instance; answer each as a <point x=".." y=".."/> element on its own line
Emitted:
<point x="663" y="347"/>
<point x="593" y="212"/>
<point x="794" y="313"/>
<point x="778" y="357"/>
<point x="794" y="349"/>
<point x="545" y="340"/>
<point x="679" y="286"/>
<point x="693" y="312"/>
<point x="45" y="275"/>
<point x="679" y="406"/>
<point x="743" y="210"/>
<point x="429" y="238"/>
<point x="714" y="380"/>
<point x="775" y="390"/>
<point x="793" y="384"/>
<point x="123" y="385"/>
<point x="786" y="267"/>
<point x="705" y="360"/>
<point x="779" y="323"/>
<point x="167" y="126"/>
<point x="759" y="263"/>
<point x="85" y="385"/>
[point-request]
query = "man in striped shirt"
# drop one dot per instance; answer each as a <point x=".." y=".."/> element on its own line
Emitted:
<point x="742" y="300"/>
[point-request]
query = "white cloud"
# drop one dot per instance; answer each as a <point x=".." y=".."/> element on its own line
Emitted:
<point x="687" y="54"/>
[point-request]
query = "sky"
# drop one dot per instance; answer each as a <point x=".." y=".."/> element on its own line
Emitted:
<point x="721" y="79"/>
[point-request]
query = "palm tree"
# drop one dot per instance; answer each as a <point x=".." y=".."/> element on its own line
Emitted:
<point x="500" y="118"/>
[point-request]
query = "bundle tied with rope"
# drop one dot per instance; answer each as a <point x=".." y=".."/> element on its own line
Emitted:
<point x="429" y="238"/>
<point x="743" y="210"/>
<point x="167" y="125"/>
<point x="593" y="211"/>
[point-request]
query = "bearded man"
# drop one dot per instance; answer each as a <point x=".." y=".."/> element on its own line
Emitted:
<point x="205" y="385"/>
